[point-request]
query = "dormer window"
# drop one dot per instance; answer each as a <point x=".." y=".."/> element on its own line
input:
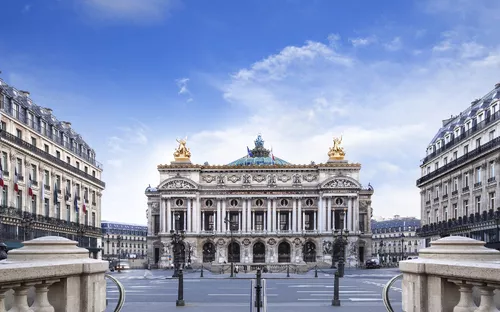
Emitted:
<point x="468" y="125"/>
<point x="480" y="117"/>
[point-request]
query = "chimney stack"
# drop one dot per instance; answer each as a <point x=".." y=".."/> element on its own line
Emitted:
<point x="48" y="110"/>
<point x="66" y="123"/>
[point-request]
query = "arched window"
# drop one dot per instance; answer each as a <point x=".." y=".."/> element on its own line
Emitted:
<point x="233" y="203"/>
<point x="209" y="203"/>
<point x="179" y="202"/>
<point x="339" y="201"/>
<point x="284" y="202"/>
<point x="259" y="202"/>
<point x="309" y="202"/>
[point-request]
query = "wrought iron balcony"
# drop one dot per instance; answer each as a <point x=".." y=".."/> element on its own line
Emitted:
<point x="23" y="144"/>
<point x="478" y="184"/>
<point x="47" y="187"/>
<point x="491" y="180"/>
<point x="445" y="196"/>
<point x="465" y="189"/>
<point x="454" y="164"/>
<point x="455" y="192"/>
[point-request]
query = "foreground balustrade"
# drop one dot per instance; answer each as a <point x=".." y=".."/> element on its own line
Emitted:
<point x="52" y="274"/>
<point x="455" y="274"/>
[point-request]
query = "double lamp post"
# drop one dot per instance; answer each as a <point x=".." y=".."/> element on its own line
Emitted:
<point x="231" y="224"/>
<point x="340" y="239"/>
<point x="177" y="243"/>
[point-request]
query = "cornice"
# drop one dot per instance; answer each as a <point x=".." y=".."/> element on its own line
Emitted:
<point x="260" y="167"/>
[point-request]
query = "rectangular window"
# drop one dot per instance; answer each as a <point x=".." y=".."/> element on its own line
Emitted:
<point x="46" y="148"/>
<point x="68" y="159"/>
<point x="445" y="191"/>
<point x="478" y="203"/>
<point x="19" y="134"/>
<point x="19" y="168"/>
<point x="445" y="161"/>
<point x="86" y="218"/>
<point x="93" y="173"/>
<point x="68" y="187"/>
<point x="93" y="197"/>
<point x="5" y="165"/>
<point x="445" y="213"/>
<point x="436" y="166"/>
<point x="455" y="155"/>
<point x="466" y="180"/>
<point x="19" y="200"/>
<point x="68" y="213"/>
<point x="478" y="143"/>
<point x="33" y="141"/>
<point x="58" y="155"/>
<point x="58" y="211"/>
<point x="428" y="169"/>
<point x="478" y="175"/>
<point x="47" y="208"/>
<point x="492" y="200"/>
<point x="34" y="176"/>
<point x="466" y="207"/>
<point x="31" y="120"/>
<point x="437" y="191"/>
<point x="436" y="215"/>
<point x="58" y="182"/>
<point x="86" y="169"/>
<point x="33" y="204"/>
<point x="93" y="219"/>
<point x="5" y="193"/>
<point x="77" y="165"/>
<point x="47" y="178"/>
<point x="3" y="126"/>
<point x="455" y="211"/>
<point x="455" y="184"/>
<point x="492" y="170"/>
<point x="43" y="129"/>
<point x="491" y="135"/>
<point x="466" y="149"/>
<point x="15" y="110"/>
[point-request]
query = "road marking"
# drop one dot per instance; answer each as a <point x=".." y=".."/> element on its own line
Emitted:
<point x="365" y="299"/>
<point x="314" y="299"/>
<point x="341" y="291"/>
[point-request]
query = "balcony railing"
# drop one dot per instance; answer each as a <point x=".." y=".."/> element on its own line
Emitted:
<point x="47" y="187"/>
<point x="43" y="222"/>
<point x="478" y="184"/>
<point x="487" y="147"/>
<point x="445" y="196"/>
<point x="13" y="139"/>
<point x="465" y="189"/>
<point x="463" y="224"/>
<point x="491" y="180"/>
<point x="462" y="136"/>
<point x="455" y="192"/>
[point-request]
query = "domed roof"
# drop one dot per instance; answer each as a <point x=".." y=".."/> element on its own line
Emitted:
<point x="258" y="156"/>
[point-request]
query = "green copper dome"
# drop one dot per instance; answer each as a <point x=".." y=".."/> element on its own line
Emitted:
<point x="258" y="156"/>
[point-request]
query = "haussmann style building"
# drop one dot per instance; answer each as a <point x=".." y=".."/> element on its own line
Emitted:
<point x="276" y="212"/>
<point x="50" y="181"/>
<point x="459" y="186"/>
<point x="123" y="240"/>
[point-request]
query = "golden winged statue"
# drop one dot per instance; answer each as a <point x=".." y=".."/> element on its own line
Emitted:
<point x="337" y="151"/>
<point x="182" y="152"/>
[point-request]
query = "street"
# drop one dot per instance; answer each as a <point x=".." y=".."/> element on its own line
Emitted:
<point x="154" y="290"/>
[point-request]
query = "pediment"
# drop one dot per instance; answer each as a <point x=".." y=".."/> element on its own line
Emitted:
<point x="178" y="184"/>
<point x="341" y="182"/>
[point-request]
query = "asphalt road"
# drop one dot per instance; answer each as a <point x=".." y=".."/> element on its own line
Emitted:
<point x="156" y="291"/>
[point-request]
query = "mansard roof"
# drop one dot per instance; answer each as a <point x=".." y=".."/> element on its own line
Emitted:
<point x="258" y="156"/>
<point x="469" y="113"/>
<point x="23" y="99"/>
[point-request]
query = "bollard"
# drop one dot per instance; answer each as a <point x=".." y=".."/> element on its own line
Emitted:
<point x="336" y="296"/>
<point x="201" y="273"/>
<point x="180" y="291"/>
<point x="315" y="271"/>
<point x="288" y="270"/>
<point x="258" y="287"/>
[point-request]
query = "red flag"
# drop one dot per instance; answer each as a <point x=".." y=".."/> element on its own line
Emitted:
<point x="16" y="178"/>
<point x="30" y="190"/>
<point x="1" y="175"/>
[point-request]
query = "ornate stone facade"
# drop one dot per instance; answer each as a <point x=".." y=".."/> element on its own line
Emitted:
<point x="280" y="213"/>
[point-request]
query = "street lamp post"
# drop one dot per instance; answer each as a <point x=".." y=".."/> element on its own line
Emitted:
<point x="227" y="221"/>
<point x="341" y="238"/>
<point x="177" y="240"/>
<point x="107" y="241"/>
<point x="119" y="239"/>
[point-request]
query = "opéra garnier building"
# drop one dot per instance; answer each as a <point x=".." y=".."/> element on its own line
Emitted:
<point x="278" y="212"/>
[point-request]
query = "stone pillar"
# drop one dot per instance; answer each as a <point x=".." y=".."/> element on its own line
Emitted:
<point x="299" y="215"/>
<point x="249" y="215"/>
<point x="240" y="221"/>
<point x="224" y="216"/>
<point x="162" y="215"/>
<point x="315" y="213"/>
<point x="355" y="216"/>
<point x="329" y="214"/>
<point x="294" y="215"/>
<point x="168" y="225"/>
<point x="348" y="217"/>
<point x="217" y="222"/>
<point x="269" y="221"/>
<point x="290" y="221"/>
<point x="189" y="216"/>
<point x="243" y="226"/>
<point x="203" y="221"/>
<point x="275" y="216"/>
<point x="321" y="214"/>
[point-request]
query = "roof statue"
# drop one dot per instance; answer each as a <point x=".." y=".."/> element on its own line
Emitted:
<point x="182" y="152"/>
<point x="337" y="151"/>
<point x="259" y="142"/>
<point x="259" y="156"/>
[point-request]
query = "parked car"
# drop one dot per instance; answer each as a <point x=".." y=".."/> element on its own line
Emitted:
<point x="372" y="264"/>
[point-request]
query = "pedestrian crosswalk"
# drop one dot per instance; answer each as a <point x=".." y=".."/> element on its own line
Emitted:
<point x="317" y="292"/>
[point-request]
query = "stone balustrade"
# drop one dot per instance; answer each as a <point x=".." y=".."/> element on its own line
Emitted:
<point x="52" y="274"/>
<point x="455" y="274"/>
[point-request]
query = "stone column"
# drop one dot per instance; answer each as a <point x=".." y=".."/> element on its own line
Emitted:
<point x="162" y="228"/>
<point x="321" y="212"/>
<point x="356" y="215"/>
<point x="249" y="215"/>
<point x="294" y="215"/>
<point x="275" y="216"/>
<point x="168" y="225"/>
<point x="348" y="217"/>
<point x="269" y="221"/>
<point x="218" y="226"/>
<point x="315" y="213"/>
<point x="300" y="222"/>
<point x="329" y="214"/>
<point x="224" y="216"/>
<point x="243" y="226"/>
<point x="203" y="221"/>
<point x="240" y="221"/>
<point x="189" y="215"/>
<point x="290" y="221"/>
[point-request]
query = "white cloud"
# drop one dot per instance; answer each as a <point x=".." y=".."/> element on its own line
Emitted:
<point x="182" y="84"/>
<point x="134" y="10"/>
<point x="360" y="42"/>
<point x="394" y="45"/>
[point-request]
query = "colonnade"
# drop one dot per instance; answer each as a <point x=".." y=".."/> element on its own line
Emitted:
<point x="258" y="213"/>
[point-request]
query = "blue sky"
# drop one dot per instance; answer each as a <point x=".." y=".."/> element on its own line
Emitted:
<point x="133" y="75"/>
